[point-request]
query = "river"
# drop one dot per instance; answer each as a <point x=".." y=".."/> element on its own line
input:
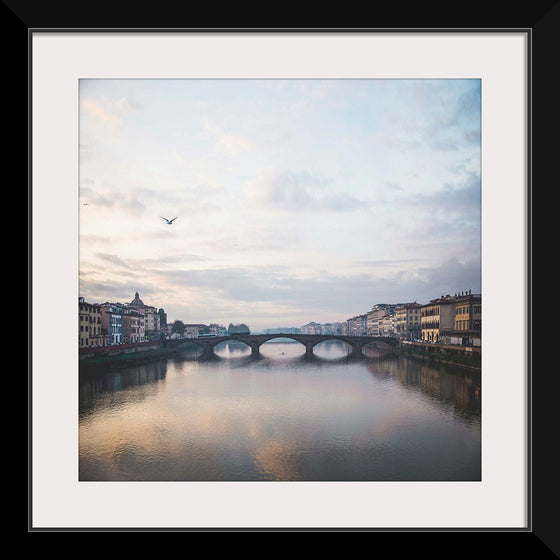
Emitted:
<point x="281" y="416"/>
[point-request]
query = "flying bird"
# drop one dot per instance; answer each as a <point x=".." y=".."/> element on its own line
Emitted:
<point x="169" y="222"/>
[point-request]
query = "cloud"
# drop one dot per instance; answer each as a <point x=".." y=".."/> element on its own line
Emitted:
<point x="95" y="109"/>
<point x="118" y="291"/>
<point x="441" y="216"/>
<point x="431" y="115"/>
<point x="339" y="293"/>
<point x="111" y="199"/>
<point x="299" y="192"/>
<point x="115" y="260"/>
<point x="453" y="201"/>
<point x="108" y="111"/>
<point x="460" y="125"/>
<point x="146" y="264"/>
<point x="234" y="144"/>
<point x="467" y="110"/>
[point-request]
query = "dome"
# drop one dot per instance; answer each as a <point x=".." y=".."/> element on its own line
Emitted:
<point x="136" y="300"/>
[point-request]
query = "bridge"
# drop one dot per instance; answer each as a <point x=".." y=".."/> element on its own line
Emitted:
<point x="254" y="341"/>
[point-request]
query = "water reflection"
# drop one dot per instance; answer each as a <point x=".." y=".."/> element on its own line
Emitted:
<point x="93" y="385"/>
<point x="456" y="386"/>
<point x="282" y="349"/>
<point x="332" y="350"/>
<point x="283" y="414"/>
<point x="232" y="349"/>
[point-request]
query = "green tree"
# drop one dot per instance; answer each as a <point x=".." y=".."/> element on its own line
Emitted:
<point x="238" y="329"/>
<point x="178" y="327"/>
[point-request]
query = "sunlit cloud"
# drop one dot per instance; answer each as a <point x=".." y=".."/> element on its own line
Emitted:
<point x="106" y="110"/>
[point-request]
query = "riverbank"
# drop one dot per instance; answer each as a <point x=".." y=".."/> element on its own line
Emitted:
<point x="443" y="356"/>
<point x="124" y="360"/>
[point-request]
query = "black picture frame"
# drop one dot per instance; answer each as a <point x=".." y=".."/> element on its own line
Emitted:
<point x="22" y="18"/>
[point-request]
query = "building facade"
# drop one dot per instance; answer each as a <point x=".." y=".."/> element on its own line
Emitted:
<point x="408" y="321"/>
<point x="331" y="328"/>
<point x="152" y="324"/>
<point x="311" y="328"/>
<point x="437" y="319"/>
<point x="282" y="330"/>
<point x="215" y="329"/>
<point x="133" y="325"/>
<point x="194" y="330"/>
<point x="468" y="319"/>
<point x="388" y="324"/>
<point x="356" y="326"/>
<point x="112" y="322"/>
<point x="90" y="333"/>
<point x="375" y="318"/>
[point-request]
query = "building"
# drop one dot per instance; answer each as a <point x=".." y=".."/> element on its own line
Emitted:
<point x="311" y="328"/>
<point x="194" y="330"/>
<point x="152" y="325"/>
<point x="331" y="328"/>
<point x="437" y="319"/>
<point x="468" y="319"/>
<point x="282" y="330"/>
<point x="217" y="330"/>
<point x="375" y="315"/>
<point x="133" y="325"/>
<point x="356" y="326"/>
<point x="112" y="322"/>
<point x="90" y="324"/>
<point x="388" y="324"/>
<point x="453" y="319"/>
<point x="409" y="324"/>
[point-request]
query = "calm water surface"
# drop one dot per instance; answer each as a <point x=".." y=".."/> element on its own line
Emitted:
<point x="283" y="416"/>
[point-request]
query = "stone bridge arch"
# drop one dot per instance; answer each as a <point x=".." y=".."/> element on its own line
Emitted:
<point x="356" y="343"/>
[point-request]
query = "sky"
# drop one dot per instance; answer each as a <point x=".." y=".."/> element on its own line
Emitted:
<point x="295" y="200"/>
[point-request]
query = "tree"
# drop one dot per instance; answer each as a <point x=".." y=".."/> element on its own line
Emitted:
<point x="238" y="329"/>
<point x="178" y="327"/>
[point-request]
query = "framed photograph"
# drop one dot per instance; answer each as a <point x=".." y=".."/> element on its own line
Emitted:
<point x="286" y="179"/>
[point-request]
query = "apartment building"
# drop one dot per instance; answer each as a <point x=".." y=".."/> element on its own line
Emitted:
<point x="194" y="330"/>
<point x="152" y="317"/>
<point x="374" y="318"/>
<point x="152" y="325"/>
<point x="408" y="321"/>
<point x="217" y="330"/>
<point x="331" y="328"/>
<point x="133" y="325"/>
<point x="388" y="324"/>
<point x="468" y="319"/>
<point x="90" y="333"/>
<point x="356" y="326"/>
<point x="311" y="328"/>
<point x="112" y="322"/>
<point x="437" y="318"/>
<point x="282" y="330"/>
